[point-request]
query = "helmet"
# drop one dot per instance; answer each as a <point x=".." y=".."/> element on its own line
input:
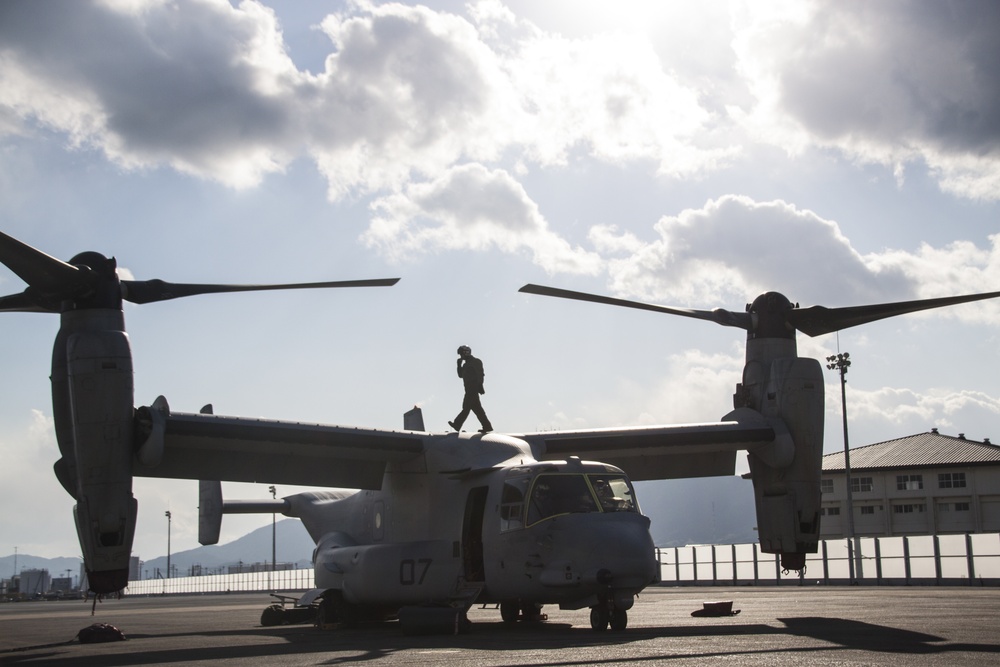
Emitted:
<point x="464" y="348"/>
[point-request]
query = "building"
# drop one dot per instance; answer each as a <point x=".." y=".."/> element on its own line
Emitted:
<point x="924" y="484"/>
<point x="35" y="582"/>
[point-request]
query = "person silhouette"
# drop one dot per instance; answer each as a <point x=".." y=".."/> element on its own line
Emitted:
<point x="470" y="369"/>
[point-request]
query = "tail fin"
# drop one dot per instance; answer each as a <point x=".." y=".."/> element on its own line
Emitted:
<point x="209" y="512"/>
<point x="413" y="420"/>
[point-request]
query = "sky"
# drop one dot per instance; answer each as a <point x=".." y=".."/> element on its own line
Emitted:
<point x="685" y="154"/>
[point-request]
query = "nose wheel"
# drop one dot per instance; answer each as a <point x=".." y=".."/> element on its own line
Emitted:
<point x="604" y="615"/>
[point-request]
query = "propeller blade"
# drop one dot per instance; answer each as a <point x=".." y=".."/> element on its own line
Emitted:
<point x="150" y="291"/>
<point x="22" y="303"/>
<point x="45" y="274"/>
<point x="819" y="320"/>
<point x="719" y="316"/>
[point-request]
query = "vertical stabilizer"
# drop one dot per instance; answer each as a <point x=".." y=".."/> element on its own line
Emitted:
<point x="413" y="420"/>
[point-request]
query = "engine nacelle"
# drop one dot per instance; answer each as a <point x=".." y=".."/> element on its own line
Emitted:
<point x="99" y="374"/>
<point x="788" y="496"/>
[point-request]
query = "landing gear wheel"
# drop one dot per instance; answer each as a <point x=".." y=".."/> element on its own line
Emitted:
<point x="273" y="615"/>
<point x="531" y="612"/>
<point x="599" y="618"/>
<point x="326" y="613"/>
<point x="619" y="620"/>
<point x="509" y="612"/>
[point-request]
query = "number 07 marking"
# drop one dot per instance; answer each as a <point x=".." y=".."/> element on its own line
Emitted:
<point x="412" y="572"/>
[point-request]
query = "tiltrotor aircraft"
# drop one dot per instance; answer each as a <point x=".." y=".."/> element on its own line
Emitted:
<point x="436" y="521"/>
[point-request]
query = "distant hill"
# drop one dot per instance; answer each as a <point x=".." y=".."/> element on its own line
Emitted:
<point x="57" y="567"/>
<point x="293" y="542"/>
<point x="715" y="510"/>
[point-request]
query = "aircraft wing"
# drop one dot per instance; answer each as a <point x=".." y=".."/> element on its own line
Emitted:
<point x="232" y="449"/>
<point x="658" y="452"/>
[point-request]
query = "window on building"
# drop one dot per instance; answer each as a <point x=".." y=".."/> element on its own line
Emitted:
<point x="868" y="509"/>
<point x="909" y="482"/>
<point x="829" y="511"/>
<point x="951" y="480"/>
<point x="861" y="484"/>
<point x="826" y="485"/>
<point x="953" y="507"/>
<point x="909" y="508"/>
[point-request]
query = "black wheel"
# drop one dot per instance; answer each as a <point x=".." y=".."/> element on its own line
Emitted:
<point x="273" y="615"/>
<point x="619" y="620"/>
<point x="599" y="618"/>
<point x="531" y="612"/>
<point x="326" y="614"/>
<point x="509" y="612"/>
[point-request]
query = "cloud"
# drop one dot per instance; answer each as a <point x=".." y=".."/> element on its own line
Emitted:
<point x="902" y="410"/>
<point x="407" y="90"/>
<point x="734" y="248"/>
<point x="199" y="85"/>
<point x="28" y="490"/>
<point x="896" y="83"/>
<point x="471" y="208"/>
<point x="209" y="89"/>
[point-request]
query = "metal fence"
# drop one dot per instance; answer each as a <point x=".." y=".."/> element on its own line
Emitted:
<point x="280" y="580"/>
<point x="901" y="560"/>
<point x="909" y="560"/>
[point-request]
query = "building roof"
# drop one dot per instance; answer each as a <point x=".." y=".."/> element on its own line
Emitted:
<point x="922" y="450"/>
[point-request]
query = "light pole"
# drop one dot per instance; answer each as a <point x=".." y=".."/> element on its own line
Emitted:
<point x="168" y="543"/>
<point x="274" y="551"/>
<point x="840" y="363"/>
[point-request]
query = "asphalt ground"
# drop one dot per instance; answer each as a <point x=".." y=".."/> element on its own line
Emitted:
<point x="808" y="625"/>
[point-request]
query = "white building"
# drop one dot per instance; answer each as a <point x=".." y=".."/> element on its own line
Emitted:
<point x="924" y="484"/>
<point x="35" y="582"/>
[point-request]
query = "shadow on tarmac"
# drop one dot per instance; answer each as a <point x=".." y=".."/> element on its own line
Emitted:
<point x="379" y="641"/>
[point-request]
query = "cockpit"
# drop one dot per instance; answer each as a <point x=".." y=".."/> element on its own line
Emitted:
<point x="531" y="495"/>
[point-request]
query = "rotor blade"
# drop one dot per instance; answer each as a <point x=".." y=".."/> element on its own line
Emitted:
<point x="719" y="316"/>
<point x="149" y="291"/>
<point x="42" y="272"/>
<point x="21" y="303"/>
<point x="819" y="320"/>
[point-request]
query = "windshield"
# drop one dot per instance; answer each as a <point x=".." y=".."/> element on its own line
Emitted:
<point x="553" y="494"/>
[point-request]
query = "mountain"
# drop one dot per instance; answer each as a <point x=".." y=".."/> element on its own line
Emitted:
<point x="713" y="510"/>
<point x="293" y="546"/>
<point x="57" y="567"/>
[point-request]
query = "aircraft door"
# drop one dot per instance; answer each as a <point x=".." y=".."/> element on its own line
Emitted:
<point x="472" y="534"/>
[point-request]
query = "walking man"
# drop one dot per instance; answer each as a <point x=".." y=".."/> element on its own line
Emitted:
<point x="471" y="371"/>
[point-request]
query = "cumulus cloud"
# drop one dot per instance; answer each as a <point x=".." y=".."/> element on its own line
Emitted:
<point x="407" y="90"/>
<point x="198" y="87"/>
<point x="471" y="207"/>
<point x="905" y="81"/>
<point x="733" y="248"/>
<point x="903" y="410"/>
<point x="210" y="90"/>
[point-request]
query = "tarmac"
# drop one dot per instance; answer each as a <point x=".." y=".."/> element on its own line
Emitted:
<point x="788" y="625"/>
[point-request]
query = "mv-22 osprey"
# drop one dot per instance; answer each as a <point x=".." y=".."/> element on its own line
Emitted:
<point x="437" y="521"/>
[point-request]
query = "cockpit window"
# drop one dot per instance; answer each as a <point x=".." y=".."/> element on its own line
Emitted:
<point x="614" y="492"/>
<point x="512" y="503"/>
<point x="554" y="494"/>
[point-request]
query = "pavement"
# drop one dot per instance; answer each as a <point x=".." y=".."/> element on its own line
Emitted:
<point x="788" y="625"/>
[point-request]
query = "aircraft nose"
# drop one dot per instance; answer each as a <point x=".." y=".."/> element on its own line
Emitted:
<point x="604" y="550"/>
<point x="622" y="554"/>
